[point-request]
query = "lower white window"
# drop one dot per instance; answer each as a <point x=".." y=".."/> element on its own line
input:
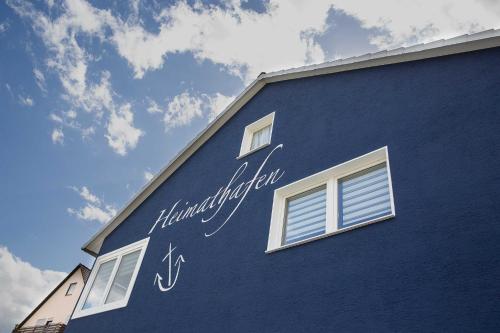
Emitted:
<point x="343" y="197"/>
<point x="111" y="280"/>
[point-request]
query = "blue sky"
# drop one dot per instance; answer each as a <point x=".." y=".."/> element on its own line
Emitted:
<point x="96" y="97"/>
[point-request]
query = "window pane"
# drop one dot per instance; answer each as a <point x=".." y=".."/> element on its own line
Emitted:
<point x="96" y="293"/>
<point x="306" y="215"/>
<point x="71" y="288"/>
<point x="261" y="137"/>
<point x="364" y="196"/>
<point x="123" y="276"/>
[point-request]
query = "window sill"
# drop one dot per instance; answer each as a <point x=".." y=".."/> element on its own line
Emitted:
<point x="253" y="151"/>
<point x="336" y="232"/>
<point x="100" y="309"/>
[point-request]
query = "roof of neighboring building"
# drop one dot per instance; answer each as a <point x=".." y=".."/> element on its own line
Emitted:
<point x="466" y="43"/>
<point x="85" y="274"/>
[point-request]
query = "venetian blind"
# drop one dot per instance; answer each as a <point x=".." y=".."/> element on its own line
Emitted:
<point x="364" y="196"/>
<point x="306" y="215"/>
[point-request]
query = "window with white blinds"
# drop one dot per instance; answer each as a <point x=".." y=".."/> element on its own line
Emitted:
<point x="364" y="196"/>
<point x="257" y="135"/>
<point x="354" y="193"/>
<point x="112" y="279"/>
<point x="306" y="215"/>
<point x="261" y="137"/>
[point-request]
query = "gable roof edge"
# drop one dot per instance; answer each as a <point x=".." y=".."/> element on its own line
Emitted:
<point x="461" y="44"/>
<point x="92" y="246"/>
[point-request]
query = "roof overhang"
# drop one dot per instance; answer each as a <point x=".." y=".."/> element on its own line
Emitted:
<point x="466" y="43"/>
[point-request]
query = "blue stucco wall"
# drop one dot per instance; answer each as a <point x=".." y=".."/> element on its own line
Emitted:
<point x="435" y="267"/>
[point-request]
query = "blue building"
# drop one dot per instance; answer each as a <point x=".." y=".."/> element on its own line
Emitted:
<point x="360" y="195"/>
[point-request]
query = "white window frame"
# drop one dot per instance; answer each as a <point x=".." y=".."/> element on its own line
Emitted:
<point x="69" y="287"/>
<point x="249" y="131"/>
<point x="329" y="177"/>
<point x="118" y="255"/>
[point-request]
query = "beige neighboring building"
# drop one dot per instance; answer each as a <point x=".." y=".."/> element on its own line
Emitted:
<point x="53" y="313"/>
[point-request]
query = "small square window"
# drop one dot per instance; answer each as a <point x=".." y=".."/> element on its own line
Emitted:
<point x="352" y="194"/>
<point x="71" y="289"/>
<point x="112" y="279"/>
<point x="257" y="135"/>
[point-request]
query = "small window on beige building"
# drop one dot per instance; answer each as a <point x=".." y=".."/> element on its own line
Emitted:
<point x="71" y="289"/>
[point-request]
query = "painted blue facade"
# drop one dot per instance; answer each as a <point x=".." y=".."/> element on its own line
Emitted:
<point x="435" y="267"/>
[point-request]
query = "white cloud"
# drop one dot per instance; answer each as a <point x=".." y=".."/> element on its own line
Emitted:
<point x="182" y="110"/>
<point x="416" y="21"/>
<point x="244" y="41"/>
<point x="70" y="61"/>
<point x="217" y="104"/>
<point x="55" y="118"/>
<point x="26" y="101"/>
<point x="67" y="120"/>
<point x="40" y="80"/>
<point x="186" y="107"/>
<point x="148" y="175"/>
<point x="22" y="288"/>
<point x="154" y="107"/>
<point x="57" y="136"/>
<point x="94" y="208"/>
<point x="67" y="58"/>
<point x="71" y="114"/>
<point x="9" y="89"/>
<point x="134" y="5"/>
<point x="121" y="133"/>
<point x="50" y="3"/>
<point x="87" y="132"/>
<point x="93" y="213"/>
<point x="85" y="193"/>
<point x="247" y="42"/>
<point x="100" y="96"/>
<point x="4" y="26"/>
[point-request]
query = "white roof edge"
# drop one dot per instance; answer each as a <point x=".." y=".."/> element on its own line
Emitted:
<point x="465" y="43"/>
<point x="460" y="44"/>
